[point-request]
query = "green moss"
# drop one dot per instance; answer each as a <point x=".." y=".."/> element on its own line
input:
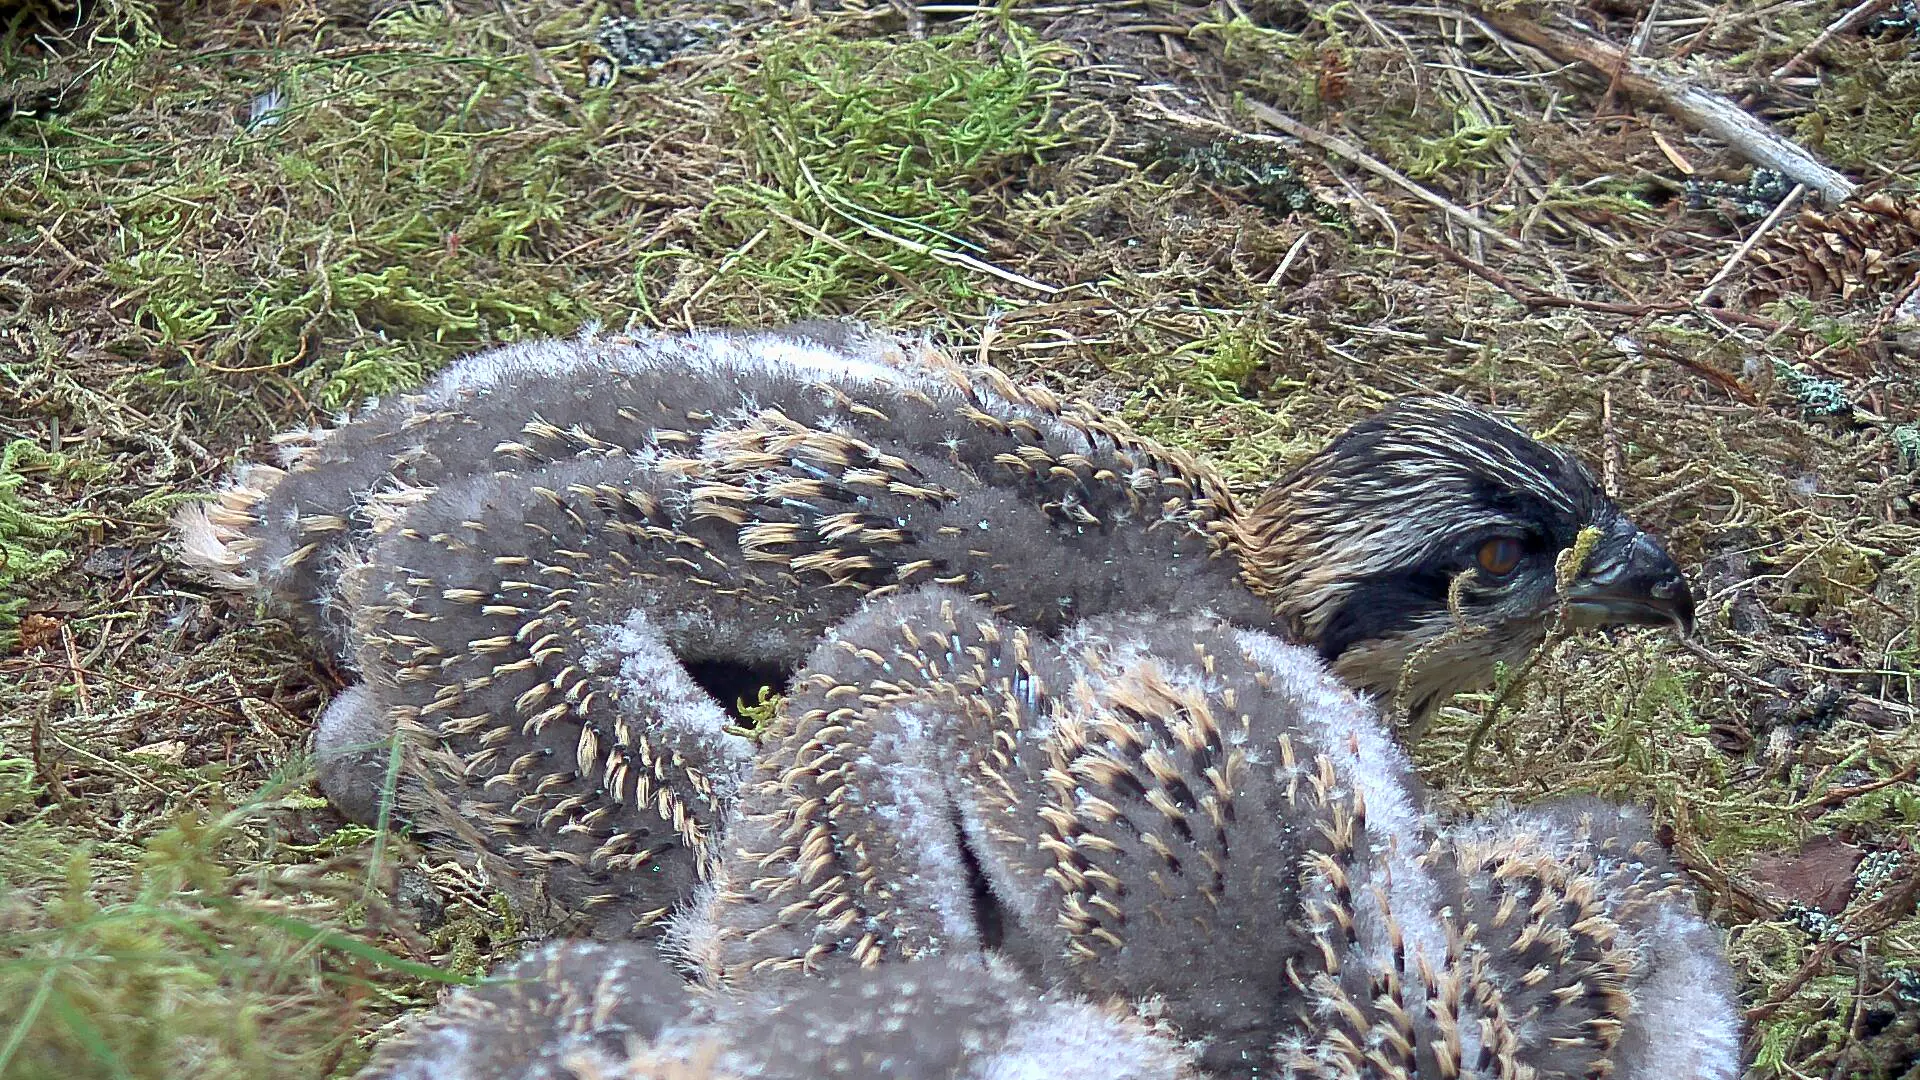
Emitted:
<point x="1277" y="65"/>
<point x="868" y="156"/>
<point x="1219" y="365"/>
<point x="32" y="853"/>
<point x="1606" y="198"/>
<point x="1817" y="1022"/>
<point x="401" y="209"/>
<point x="1863" y="115"/>
<point x="425" y="188"/>
<point x="757" y="716"/>
<point x="1316" y="70"/>
<point x="386" y="205"/>
<point x="165" y="960"/>
<point x="1471" y="145"/>
<point x="1215" y="395"/>
<point x="1895" y="808"/>
<point x="469" y="940"/>
<point x="34" y="543"/>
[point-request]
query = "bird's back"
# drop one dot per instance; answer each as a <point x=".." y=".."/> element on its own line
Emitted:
<point x="1137" y="811"/>
<point x="836" y="460"/>
<point x="1197" y="820"/>
<point x="552" y="532"/>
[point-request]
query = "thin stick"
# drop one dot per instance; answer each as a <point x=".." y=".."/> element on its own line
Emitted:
<point x="726" y="264"/>
<point x="12" y="666"/>
<point x="1567" y="567"/>
<point x="1866" y="921"/>
<point x="1707" y="111"/>
<point x="1817" y="960"/>
<point x="1644" y="34"/>
<point x="1892" y="309"/>
<point x="1740" y="253"/>
<point x="1856" y="15"/>
<point x="1531" y="297"/>
<point x="1286" y="263"/>
<point x="1341" y="148"/>
<point x="1534" y="299"/>
<point x="1708" y="657"/>
<point x="943" y="255"/>
<point x="525" y="40"/>
<point x="75" y="673"/>
<point x="1840" y="795"/>
<point x="1610" y="445"/>
<point x="1500" y="700"/>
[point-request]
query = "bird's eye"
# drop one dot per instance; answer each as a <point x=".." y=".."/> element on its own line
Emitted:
<point x="1499" y="555"/>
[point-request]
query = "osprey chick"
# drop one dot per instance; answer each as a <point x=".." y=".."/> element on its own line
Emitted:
<point x="544" y="561"/>
<point x="793" y="472"/>
<point x="1186" y="816"/>
<point x="1424" y="546"/>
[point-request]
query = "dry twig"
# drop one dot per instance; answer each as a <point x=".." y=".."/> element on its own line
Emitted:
<point x="1740" y="253"/>
<point x="1533" y="298"/>
<point x="1342" y="149"/>
<point x="1855" y="15"/>
<point x="1704" y="109"/>
<point x="1892" y="906"/>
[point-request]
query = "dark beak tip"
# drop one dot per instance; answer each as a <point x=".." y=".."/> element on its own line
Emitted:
<point x="1683" y="610"/>
<point x="1634" y="581"/>
<point x="1683" y="621"/>
<point x="1673" y="596"/>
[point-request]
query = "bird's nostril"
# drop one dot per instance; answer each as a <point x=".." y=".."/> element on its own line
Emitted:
<point x="1665" y="590"/>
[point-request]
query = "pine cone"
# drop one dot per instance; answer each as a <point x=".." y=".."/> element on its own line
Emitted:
<point x="1870" y="244"/>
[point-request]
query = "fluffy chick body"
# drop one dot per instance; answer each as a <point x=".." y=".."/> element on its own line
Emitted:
<point x="1187" y="815"/>
<point x="527" y="630"/>
<point x="1594" y="858"/>
<point x="823" y="462"/>
<point x="614" y="1011"/>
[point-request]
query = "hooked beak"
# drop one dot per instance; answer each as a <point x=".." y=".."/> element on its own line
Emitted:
<point x="1629" y="579"/>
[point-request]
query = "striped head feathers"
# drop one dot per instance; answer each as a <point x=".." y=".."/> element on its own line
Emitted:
<point x="1431" y="541"/>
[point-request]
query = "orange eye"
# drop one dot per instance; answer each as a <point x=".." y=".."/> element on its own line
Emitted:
<point x="1499" y="556"/>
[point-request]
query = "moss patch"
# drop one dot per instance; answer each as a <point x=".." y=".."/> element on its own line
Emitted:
<point x="34" y="544"/>
<point x="867" y="156"/>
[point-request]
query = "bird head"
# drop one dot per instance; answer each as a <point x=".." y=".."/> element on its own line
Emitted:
<point x="1433" y="541"/>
